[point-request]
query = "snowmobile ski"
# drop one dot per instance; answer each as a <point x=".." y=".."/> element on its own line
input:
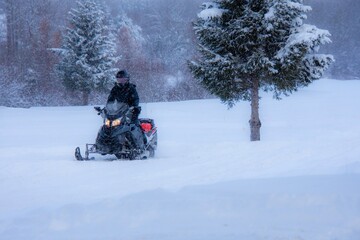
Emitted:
<point x="78" y="154"/>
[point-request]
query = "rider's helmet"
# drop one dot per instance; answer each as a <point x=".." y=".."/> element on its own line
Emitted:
<point x="122" y="74"/>
<point x="122" y="77"/>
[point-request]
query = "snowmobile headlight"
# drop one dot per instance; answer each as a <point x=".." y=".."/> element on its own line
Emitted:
<point x="116" y="122"/>
<point x="108" y="123"/>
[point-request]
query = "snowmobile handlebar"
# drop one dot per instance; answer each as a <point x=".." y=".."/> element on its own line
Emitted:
<point x="98" y="109"/>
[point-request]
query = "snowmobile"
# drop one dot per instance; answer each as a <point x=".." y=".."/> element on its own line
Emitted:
<point x="120" y="136"/>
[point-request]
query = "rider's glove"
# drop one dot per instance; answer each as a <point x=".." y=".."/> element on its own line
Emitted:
<point x="136" y="110"/>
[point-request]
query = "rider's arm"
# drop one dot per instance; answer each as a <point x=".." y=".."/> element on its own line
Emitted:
<point x="134" y="97"/>
<point x="111" y="97"/>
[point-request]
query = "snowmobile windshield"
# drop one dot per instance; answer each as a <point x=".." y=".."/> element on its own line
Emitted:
<point x="115" y="108"/>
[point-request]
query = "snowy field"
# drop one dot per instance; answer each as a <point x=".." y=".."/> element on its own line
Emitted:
<point x="207" y="181"/>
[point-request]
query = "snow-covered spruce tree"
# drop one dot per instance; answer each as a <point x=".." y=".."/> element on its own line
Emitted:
<point x="88" y="51"/>
<point x="248" y="45"/>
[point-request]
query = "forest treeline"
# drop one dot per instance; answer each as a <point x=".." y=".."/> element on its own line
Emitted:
<point x="154" y="43"/>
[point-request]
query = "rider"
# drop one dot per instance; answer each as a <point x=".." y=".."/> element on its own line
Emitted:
<point x="125" y="92"/>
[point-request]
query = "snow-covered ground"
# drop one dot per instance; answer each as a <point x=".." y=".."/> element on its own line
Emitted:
<point x="207" y="181"/>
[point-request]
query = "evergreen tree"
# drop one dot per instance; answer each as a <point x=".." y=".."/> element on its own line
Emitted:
<point x="248" y="45"/>
<point x="88" y="51"/>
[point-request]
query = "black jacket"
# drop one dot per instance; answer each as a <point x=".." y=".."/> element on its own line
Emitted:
<point x="125" y="93"/>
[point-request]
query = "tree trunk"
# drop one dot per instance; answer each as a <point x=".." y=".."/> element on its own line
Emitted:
<point x="254" y="121"/>
<point x="85" y="98"/>
<point x="11" y="25"/>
